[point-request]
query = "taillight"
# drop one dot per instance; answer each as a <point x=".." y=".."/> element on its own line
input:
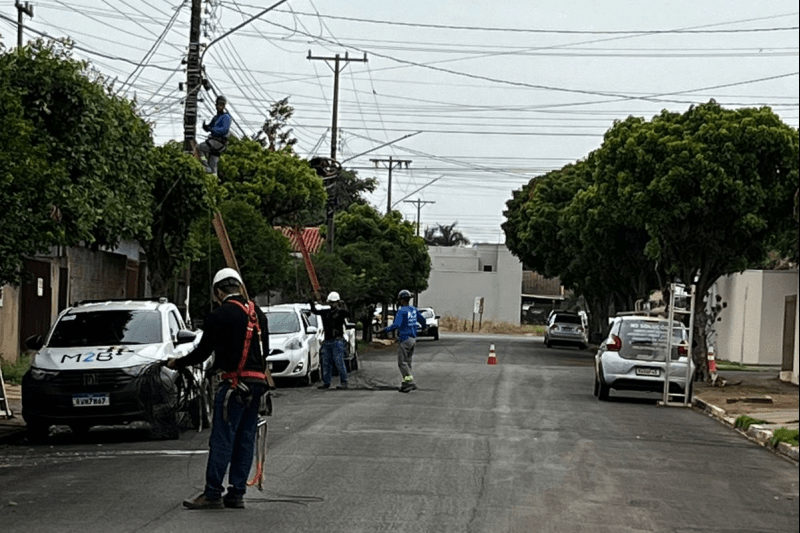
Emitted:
<point x="683" y="350"/>
<point x="614" y="344"/>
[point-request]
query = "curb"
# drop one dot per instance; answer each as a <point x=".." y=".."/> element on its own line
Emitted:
<point x="755" y="433"/>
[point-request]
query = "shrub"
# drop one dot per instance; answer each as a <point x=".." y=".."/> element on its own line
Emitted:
<point x="785" y="435"/>
<point x="745" y="422"/>
<point x="14" y="370"/>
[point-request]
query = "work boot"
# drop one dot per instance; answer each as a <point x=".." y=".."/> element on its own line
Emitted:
<point x="407" y="386"/>
<point x="202" y="502"/>
<point x="233" y="502"/>
<point x="325" y="386"/>
<point x="342" y="386"/>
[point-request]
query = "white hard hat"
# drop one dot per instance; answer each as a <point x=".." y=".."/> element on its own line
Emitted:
<point x="227" y="273"/>
<point x="333" y="297"/>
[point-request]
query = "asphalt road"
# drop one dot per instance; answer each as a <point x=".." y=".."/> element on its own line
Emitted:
<point x="521" y="446"/>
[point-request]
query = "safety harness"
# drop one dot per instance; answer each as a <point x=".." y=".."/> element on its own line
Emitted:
<point x="242" y="390"/>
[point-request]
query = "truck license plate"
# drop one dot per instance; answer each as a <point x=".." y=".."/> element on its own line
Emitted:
<point x="90" y="399"/>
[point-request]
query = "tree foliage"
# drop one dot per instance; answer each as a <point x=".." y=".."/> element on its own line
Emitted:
<point x="183" y="193"/>
<point x="444" y="235"/>
<point x="283" y="187"/>
<point x="688" y="197"/>
<point x="276" y="128"/>
<point x="80" y="150"/>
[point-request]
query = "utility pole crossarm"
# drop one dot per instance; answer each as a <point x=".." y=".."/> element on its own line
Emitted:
<point x="419" y="203"/>
<point x="391" y="164"/>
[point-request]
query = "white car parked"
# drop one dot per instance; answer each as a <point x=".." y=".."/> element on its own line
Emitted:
<point x="293" y="344"/>
<point x="83" y="372"/>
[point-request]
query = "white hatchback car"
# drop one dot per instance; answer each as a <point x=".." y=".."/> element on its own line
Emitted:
<point x="293" y="344"/>
<point x="633" y="357"/>
<point x="83" y="372"/>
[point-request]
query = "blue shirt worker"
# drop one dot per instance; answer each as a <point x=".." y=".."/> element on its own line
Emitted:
<point x="406" y="321"/>
<point x="218" y="129"/>
<point x="332" y="349"/>
<point x="236" y="333"/>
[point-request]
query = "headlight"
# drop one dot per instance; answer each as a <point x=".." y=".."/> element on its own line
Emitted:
<point x="294" y="344"/>
<point x="42" y="375"/>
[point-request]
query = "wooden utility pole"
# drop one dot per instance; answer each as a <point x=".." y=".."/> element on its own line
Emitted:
<point x="419" y="207"/>
<point x="26" y="9"/>
<point x="391" y="163"/>
<point x="194" y="77"/>
<point x="337" y="68"/>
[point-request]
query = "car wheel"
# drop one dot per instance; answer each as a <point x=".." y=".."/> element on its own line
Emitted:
<point x="436" y="335"/>
<point x="602" y="389"/>
<point x="354" y="361"/>
<point x="306" y="380"/>
<point x="80" y="428"/>
<point x="37" y="432"/>
<point x="596" y="389"/>
<point x="316" y="375"/>
<point x="548" y="344"/>
<point x="582" y="347"/>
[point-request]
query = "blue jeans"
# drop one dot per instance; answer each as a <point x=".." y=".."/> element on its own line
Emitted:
<point x="232" y="443"/>
<point x="332" y="352"/>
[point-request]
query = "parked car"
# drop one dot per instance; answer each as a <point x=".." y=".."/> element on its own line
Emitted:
<point x="293" y="344"/>
<point x="84" y="369"/>
<point x="350" y="345"/>
<point x="565" y="328"/>
<point x="431" y="328"/>
<point x="633" y="357"/>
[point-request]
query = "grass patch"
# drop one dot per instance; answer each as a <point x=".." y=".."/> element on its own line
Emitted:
<point x="459" y="325"/>
<point x="745" y="422"/>
<point x="784" y="435"/>
<point x="13" y="371"/>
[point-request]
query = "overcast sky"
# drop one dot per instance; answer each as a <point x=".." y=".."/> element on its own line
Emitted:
<point x="494" y="93"/>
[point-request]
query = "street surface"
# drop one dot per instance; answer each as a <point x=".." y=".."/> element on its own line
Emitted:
<point x="521" y="446"/>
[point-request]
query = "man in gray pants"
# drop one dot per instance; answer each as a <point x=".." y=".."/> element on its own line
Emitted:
<point x="406" y="321"/>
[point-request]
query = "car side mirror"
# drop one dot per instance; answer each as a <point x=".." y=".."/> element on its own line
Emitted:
<point x="311" y="330"/>
<point x="185" y="336"/>
<point x="437" y="317"/>
<point x="34" y="342"/>
<point x="349" y="325"/>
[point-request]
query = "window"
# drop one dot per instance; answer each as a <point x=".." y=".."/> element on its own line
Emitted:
<point x="283" y="322"/>
<point x="174" y="326"/>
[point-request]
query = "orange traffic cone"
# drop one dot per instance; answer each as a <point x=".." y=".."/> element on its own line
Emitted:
<point x="492" y="357"/>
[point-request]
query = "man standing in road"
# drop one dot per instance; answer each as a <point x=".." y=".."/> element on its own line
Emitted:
<point x="332" y="350"/>
<point x="236" y="332"/>
<point x="406" y="321"/>
<point x="217" y="141"/>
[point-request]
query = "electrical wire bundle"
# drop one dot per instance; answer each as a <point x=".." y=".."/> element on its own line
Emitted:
<point x="162" y="395"/>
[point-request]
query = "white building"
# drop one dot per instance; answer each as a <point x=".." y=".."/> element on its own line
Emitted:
<point x="759" y="324"/>
<point x="459" y="275"/>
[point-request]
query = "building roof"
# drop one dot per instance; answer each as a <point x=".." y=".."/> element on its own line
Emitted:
<point x="311" y="236"/>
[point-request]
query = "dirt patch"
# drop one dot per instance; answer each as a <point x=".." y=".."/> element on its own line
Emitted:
<point x="784" y="395"/>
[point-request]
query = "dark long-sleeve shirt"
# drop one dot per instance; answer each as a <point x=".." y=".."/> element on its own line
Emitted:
<point x="224" y="331"/>
<point x="333" y="320"/>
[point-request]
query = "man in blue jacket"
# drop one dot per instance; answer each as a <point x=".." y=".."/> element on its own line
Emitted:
<point x="217" y="141"/>
<point x="406" y="321"/>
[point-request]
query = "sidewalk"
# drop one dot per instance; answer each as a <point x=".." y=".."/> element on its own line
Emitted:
<point x="760" y="395"/>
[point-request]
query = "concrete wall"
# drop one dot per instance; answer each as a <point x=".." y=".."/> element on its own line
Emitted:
<point x="458" y="275"/>
<point x="751" y="330"/>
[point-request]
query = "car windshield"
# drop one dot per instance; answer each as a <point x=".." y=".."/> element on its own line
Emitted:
<point x="283" y="322"/>
<point x="99" y="328"/>
<point x="567" y="319"/>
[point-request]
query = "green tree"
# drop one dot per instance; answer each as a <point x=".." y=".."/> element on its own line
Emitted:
<point x="276" y="128"/>
<point x="280" y="185"/>
<point x="80" y="149"/>
<point x="713" y="188"/>
<point x="183" y="193"/>
<point x="262" y="252"/>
